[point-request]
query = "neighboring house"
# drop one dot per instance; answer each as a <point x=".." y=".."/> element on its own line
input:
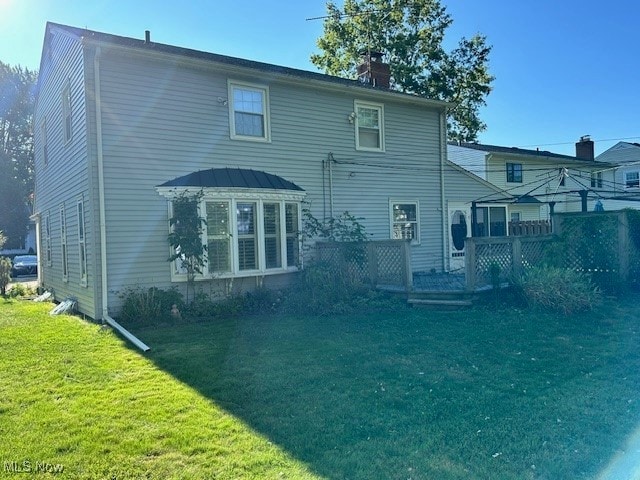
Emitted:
<point x="624" y="158"/>
<point x="537" y="179"/>
<point x="124" y="125"/>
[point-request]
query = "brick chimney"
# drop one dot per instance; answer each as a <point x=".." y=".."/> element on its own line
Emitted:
<point x="373" y="71"/>
<point x="584" y="148"/>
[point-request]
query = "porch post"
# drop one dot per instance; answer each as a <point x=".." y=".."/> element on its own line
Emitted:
<point x="470" y="263"/>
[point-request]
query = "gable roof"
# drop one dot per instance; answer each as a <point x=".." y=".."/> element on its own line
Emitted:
<point x="232" y="178"/>
<point x="98" y="38"/>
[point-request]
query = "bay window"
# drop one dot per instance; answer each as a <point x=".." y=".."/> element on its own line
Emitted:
<point x="248" y="236"/>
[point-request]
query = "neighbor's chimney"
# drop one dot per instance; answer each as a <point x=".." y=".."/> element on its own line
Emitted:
<point x="147" y="36"/>
<point x="584" y="148"/>
<point x="373" y="70"/>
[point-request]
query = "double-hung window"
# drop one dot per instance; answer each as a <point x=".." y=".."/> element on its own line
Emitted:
<point x="82" y="250"/>
<point x="63" y="244"/>
<point x="405" y="221"/>
<point x="596" y="179"/>
<point x="514" y="172"/>
<point x="369" y="121"/>
<point x="249" y="112"/>
<point x="47" y="238"/>
<point x="632" y="179"/>
<point x="67" y="117"/>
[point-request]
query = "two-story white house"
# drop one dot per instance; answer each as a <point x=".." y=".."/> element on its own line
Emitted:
<point x="623" y="160"/>
<point x="122" y="125"/>
<point x="539" y="181"/>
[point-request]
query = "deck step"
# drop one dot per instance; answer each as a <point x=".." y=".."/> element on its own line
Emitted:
<point x="440" y="301"/>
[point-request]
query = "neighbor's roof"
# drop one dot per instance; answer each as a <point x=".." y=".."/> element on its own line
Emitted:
<point x="543" y="154"/>
<point x="151" y="46"/>
<point x="232" y="178"/>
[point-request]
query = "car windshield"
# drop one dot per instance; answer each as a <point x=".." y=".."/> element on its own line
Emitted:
<point x="25" y="259"/>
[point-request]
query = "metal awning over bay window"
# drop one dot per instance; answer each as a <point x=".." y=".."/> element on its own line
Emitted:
<point x="252" y="221"/>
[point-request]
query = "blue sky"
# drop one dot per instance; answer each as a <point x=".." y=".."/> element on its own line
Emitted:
<point x="563" y="68"/>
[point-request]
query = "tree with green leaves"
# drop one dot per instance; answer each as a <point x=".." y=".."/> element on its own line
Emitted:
<point x="17" y="102"/>
<point x="411" y="34"/>
<point x="185" y="239"/>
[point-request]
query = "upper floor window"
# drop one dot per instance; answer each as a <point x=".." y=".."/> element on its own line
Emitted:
<point x="369" y="121"/>
<point x="514" y="172"/>
<point x="632" y="179"/>
<point x="405" y="221"/>
<point x="596" y="179"/>
<point x="249" y="112"/>
<point x="66" y="114"/>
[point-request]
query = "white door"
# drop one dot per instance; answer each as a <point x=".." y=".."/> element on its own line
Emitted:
<point x="459" y="229"/>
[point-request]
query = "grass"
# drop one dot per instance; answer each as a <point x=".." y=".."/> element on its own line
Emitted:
<point x="417" y="394"/>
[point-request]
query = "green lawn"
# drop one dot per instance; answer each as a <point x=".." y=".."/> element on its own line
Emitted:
<point x="418" y="394"/>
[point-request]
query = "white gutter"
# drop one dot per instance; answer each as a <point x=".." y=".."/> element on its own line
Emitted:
<point x="103" y="224"/>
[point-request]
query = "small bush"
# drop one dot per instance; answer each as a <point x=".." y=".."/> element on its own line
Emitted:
<point x="5" y="274"/>
<point x="20" y="290"/>
<point x="559" y="290"/>
<point x="323" y="291"/>
<point x="148" y="307"/>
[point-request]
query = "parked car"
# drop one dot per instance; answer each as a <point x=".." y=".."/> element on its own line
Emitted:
<point x="24" y="265"/>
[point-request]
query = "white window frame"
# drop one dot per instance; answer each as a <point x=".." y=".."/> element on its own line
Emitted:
<point x="263" y="90"/>
<point x="47" y="237"/>
<point x="635" y="183"/>
<point x="67" y="114"/>
<point x="359" y="104"/>
<point x="489" y="206"/>
<point x="239" y="196"/>
<point x="64" y="254"/>
<point x="392" y="222"/>
<point x="513" y="172"/>
<point x="82" y="244"/>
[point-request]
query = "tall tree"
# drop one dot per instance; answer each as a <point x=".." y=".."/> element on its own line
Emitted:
<point x="17" y="99"/>
<point x="411" y="34"/>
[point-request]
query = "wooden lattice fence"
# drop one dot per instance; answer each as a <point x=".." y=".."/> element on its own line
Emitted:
<point x="383" y="263"/>
<point x="595" y="242"/>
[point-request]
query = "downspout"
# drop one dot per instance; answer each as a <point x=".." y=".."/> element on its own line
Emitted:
<point x="445" y="215"/>
<point x="103" y="225"/>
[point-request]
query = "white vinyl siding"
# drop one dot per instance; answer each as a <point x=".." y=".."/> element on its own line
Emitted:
<point x="405" y="221"/>
<point x="249" y="112"/>
<point x="369" y="126"/>
<point x="43" y="140"/>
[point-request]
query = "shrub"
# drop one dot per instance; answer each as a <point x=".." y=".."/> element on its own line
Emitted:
<point x="5" y="274"/>
<point x="19" y="290"/>
<point x="147" y="307"/>
<point x="559" y="290"/>
<point x="323" y="291"/>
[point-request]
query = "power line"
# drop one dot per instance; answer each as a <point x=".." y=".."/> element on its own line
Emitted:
<point x="571" y="143"/>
